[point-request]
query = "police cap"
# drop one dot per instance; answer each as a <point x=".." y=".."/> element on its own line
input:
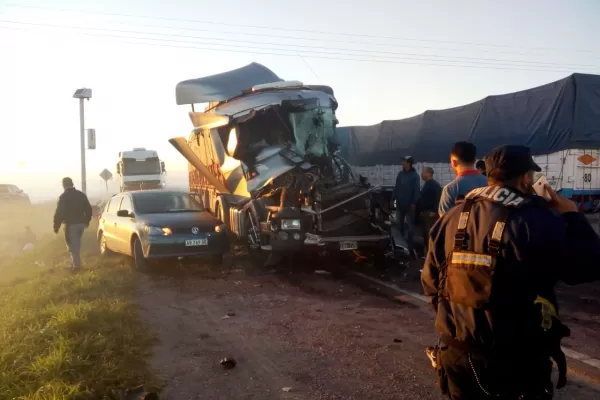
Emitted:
<point x="509" y="162"/>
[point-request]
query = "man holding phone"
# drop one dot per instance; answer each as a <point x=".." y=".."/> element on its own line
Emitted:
<point x="490" y="273"/>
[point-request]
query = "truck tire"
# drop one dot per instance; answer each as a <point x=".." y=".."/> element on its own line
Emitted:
<point x="222" y="211"/>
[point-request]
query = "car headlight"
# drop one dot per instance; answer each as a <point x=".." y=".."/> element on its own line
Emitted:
<point x="157" y="231"/>
<point x="290" y="224"/>
<point x="220" y="228"/>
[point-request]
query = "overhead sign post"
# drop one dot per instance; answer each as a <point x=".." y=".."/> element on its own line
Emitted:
<point x="106" y="175"/>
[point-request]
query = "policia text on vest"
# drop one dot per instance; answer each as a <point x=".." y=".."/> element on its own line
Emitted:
<point x="490" y="275"/>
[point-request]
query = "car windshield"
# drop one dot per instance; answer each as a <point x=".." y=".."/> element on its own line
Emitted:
<point x="149" y="166"/>
<point x="158" y="203"/>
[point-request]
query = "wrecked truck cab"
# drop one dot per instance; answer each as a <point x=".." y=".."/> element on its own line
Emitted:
<point x="264" y="159"/>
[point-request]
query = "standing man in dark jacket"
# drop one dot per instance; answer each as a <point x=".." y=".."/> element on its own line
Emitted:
<point x="406" y="194"/>
<point x="75" y="211"/>
<point x="428" y="203"/>
<point x="490" y="273"/>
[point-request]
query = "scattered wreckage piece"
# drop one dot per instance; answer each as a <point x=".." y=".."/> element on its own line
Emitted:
<point x="228" y="363"/>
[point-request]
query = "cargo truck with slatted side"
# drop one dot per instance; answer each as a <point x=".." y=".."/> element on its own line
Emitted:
<point x="559" y="121"/>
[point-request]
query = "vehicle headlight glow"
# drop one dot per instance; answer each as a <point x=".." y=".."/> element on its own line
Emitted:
<point x="157" y="231"/>
<point x="290" y="224"/>
<point x="232" y="142"/>
<point x="220" y="228"/>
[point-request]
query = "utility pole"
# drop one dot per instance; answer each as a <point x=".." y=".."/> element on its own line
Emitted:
<point x="82" y="139"/>
<point x="82" y="94"/>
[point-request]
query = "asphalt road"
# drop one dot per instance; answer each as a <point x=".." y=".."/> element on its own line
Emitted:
<point x="293" y="336"/>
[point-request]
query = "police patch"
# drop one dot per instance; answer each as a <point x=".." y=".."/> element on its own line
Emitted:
<point x="499" y="194"/>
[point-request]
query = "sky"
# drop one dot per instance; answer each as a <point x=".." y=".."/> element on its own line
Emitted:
<point x="385" y="59"/>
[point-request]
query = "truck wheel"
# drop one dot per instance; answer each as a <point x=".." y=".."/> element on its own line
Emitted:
<point x="219" y="211"/>
<point x="139" y="261"/>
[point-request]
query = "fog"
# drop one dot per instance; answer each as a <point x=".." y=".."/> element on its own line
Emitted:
<point x="47" y="187"/>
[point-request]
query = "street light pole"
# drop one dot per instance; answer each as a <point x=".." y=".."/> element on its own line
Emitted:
<point x="82" y="94"/>
<point x="82" y="133"/>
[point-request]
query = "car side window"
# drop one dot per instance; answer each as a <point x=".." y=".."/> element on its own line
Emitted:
<point x="126" y="204"/>
<point x="113" y="205"/>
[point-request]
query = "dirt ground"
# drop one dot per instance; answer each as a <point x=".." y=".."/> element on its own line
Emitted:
<point x="293" y="336"/>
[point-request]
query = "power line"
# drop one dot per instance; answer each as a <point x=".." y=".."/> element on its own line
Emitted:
<point x="310" y="68"/>
<point x="320" y="39"/>
<point x="295" y="55"/>
<point x="392" y="55"/>
<point x="291" y="29"/>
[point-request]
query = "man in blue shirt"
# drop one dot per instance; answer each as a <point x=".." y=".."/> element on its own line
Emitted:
<point x="462" y="158"/>
<point x="406" y="194"/>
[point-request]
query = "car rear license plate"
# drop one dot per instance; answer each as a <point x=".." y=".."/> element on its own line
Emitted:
<point x="348" y="245"/>
<point x="196" y="242"/>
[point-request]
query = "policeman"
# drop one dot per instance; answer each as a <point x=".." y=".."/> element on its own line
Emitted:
<point x="490" y="273"/>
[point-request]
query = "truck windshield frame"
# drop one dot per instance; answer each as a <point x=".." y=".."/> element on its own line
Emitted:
<point x="313" y="129"/>
<point x="133" y="167"/>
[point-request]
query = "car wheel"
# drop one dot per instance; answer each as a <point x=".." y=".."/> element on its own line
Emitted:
<point x="104" y="250"/>
<point x="139" y="261"/>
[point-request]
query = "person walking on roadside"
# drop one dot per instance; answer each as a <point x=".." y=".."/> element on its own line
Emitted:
<point x="428" y="204"/>
<point x="490" y="276"/>
<point x="75" y="212"/>
<point x="406" y="194"/>
<point x="462" y="158"/>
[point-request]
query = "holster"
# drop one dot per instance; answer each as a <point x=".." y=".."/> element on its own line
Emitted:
<point x="553" y="333"/>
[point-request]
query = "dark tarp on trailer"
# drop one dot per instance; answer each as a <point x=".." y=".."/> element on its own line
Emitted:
<point x="550" y="118"/>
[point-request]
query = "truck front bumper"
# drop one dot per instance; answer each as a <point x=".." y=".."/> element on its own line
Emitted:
<point x="348" y="243"/>
<point x="301" y="241"/>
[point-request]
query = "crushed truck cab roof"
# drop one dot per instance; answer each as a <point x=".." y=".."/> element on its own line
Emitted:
<point x="223" y="86"/>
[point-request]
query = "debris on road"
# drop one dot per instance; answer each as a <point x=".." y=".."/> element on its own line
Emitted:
<point x="228" y="363"/>
<point x="322" y="272"/>
<point x="397" y="340"/>
<point x="228" y="315"/>
<point x="287" y="389"/>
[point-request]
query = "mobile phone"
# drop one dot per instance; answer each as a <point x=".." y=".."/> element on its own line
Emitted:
<point x="539" y="187"/>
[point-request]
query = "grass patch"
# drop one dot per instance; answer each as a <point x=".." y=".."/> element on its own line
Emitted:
<point x="66" y="335"/>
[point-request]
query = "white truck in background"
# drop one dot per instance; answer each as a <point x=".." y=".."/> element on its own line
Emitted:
<point x="140" y="169"/>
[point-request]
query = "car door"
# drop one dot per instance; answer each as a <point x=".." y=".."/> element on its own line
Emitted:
<point x="125" y="225"/>
<point x="109" y="221"/>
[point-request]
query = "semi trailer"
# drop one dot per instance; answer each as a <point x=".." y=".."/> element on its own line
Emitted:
<point x="559" y="121"/>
